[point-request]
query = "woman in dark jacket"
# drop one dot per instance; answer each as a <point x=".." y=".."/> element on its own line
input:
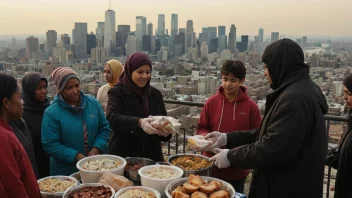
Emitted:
<point x="130" y="104"/>
<point x="34" y="91"/>
<point x="344" y="166"/>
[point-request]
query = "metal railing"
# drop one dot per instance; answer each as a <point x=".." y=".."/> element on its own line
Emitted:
<point x="184" y="132"/>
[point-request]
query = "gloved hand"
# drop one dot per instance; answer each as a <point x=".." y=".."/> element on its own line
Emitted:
<point x="220" y="159"/>
<point x="219" y="140"/>
<point x="147" y="127"/>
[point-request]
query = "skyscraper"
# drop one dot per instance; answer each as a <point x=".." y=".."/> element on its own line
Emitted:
<point x="121" y="37"/>
<point x="189" y="35"/>
<point x="132" y="44"/>
<point x="91" y="42"/>
<point x="232" y="39"/>
<point x="304" y="41"/>
<point x="51" y="38"/>
<point x="147" y="43"/>
<point x="161" y="25"/>
<point x="65" y="41"/>
<point x="141" y="27"/>
<point x="100" y="34"/>
<point x="274" y="36"/>
<point x="261" y="35"/>
<point x="221" y="30"/>
<point x="150" y="29"/>
<point x="179" y="44"/>
<point x="174" y="25"/>
<point x="109" y="31"/>
<point x="80" y="39"/>
<point x="13" y="46"/>
<point x="32" y="45"/>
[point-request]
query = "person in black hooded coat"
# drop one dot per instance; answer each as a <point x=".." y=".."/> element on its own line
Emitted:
<point x="288" y="151"/>
<point x="34" y="91"/>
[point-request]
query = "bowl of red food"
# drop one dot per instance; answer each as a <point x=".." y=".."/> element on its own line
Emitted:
<point x="90" y="190"/>
<point x="133" y="165"/>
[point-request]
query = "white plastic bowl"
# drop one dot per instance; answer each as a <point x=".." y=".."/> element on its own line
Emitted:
<point x="56" y="194"/>
<point x="88" y="176"/>
<point x="142" y="188"/>
<point x="80" y="187"/>
<point x="158" y="184"/>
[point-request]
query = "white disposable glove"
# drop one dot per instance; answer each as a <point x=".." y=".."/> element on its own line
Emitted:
<point x="147" y="127"/>
<point x="219" y="140"/>
<point x="220" y="159"/>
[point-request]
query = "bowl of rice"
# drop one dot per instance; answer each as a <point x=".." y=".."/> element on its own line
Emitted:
<point x="92" y="168"/>
<point x="137" y="191"/>
<point x="159" y="176"/>
<point x="55" y="186"/>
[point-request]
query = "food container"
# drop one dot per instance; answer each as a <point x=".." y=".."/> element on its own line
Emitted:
<point x="80" y="187"/>
<point x="202" y="172"/>
<point x="133" y="174"/>
<point x="142" y="188"/>
<point x="197" y="143"/>
<point x="56" y="194"/>
<point x="89" y="176"/>
<point x="77" y="176"/>
<point x="179" y="182"/>
<point x="158" y="184"/>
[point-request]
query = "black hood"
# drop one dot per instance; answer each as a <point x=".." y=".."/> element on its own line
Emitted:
<point x="285" y="60"/>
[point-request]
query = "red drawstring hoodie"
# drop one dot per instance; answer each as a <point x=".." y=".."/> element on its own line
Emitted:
<point x="219" y="114"/>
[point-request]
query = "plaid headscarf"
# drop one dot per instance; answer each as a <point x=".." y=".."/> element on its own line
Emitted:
<point x="61" y="76"/>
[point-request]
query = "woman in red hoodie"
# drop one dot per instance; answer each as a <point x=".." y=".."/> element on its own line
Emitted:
<point x="17" y="178"/>
<point x="230" y="110"/>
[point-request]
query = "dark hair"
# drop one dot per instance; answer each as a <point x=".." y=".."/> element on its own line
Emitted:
<point x="8" y="86"/>
<point x="235" y="68"/>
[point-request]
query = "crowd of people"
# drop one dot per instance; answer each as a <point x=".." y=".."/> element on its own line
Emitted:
<point x="287" y="148"/>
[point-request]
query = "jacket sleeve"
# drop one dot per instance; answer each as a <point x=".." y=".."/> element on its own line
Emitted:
<point x="203" y="126"/>
<point x="102" y="139"/>
<point x="240" y="138"/>
<point x="51" y="140"/>
<point x="9" y="170"/>
<point x="256" y="118"/>
<point x="119" y="122"/>
<point x="284" y="136"/>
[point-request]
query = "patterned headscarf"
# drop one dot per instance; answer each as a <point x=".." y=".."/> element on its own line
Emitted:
<point x="61" y="76"/>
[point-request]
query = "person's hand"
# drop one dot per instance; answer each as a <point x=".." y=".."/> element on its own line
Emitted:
<point x="79" y="156"/>
<point x="164" y="132"/>
<point x="147" y="127"/>
<point x="220" y="159"/>
<point x="94" y="151"/>
<point x="219" y="140"/>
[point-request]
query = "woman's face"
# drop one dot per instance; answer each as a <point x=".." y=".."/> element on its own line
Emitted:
<point x="13" y="106"/>
<point x="41" y="91"/>
<point x="347" y="96"/>
<point x="107" y="73"/>
<point x="141" y="76"/>
<point x="71" y="92"/>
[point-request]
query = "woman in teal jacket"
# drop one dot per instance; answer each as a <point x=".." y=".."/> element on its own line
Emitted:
<point x="74" y="125"/>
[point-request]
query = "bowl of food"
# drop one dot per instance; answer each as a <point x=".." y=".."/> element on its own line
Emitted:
<point x="55" y="186"/>
<point x="192" y="164"/>
<point x="159" y="176"/>
<point x="92" y="168"/>
<point x="199" y="186"/>
<point x="137" y="191"/>
<point x="77" y="176"/>
<point x="90" y="190"/>
<point x="133" y="165"/>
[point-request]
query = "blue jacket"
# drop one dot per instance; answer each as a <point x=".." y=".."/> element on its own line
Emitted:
<point x="62" y="132"/>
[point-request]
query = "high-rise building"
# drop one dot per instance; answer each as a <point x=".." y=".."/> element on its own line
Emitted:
<point x="121" y="38"/>
<point x="179" y="44"/>
<point x="174" y="25"/>
<point x="214" y="45"/>
<point x="161" y="25"/>
<point x="65" y="41"/>
<point x="150" y="29"/>
<point x="73" y="36"/>
<point x="51" y="38"/>
<point x="98" y="55"/>
<point x="204" y="50"/>
<point x="274" y="36"/>
<point x="304" y="41"/>
<point x="221" y="30"/>
<point x="132" y="45"/>
<point x="189" y="35"/>
<point x="32" y="46"/>
<point x="91" y="42"/>
<point x="222" y="43"/>
<point x="261" y="35"/>
<point x="182" y="30"/>
<point x="147" y="43"/>
<point x="109" y="32"/>
<point x="99" y="31"/>
<point x="141" y="27"/>
<point x="243" y="45"/>
<point x="13" y="46"/>
<point x="80" y="39"/>
<point x="232" y="39"/>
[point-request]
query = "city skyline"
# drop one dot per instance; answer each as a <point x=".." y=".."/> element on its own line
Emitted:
<point x="316" y="17"/>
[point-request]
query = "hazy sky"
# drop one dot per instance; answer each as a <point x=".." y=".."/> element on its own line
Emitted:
<point x="289" y="17"/>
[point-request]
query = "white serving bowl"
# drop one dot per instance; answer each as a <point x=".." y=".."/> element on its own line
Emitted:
<point x="142" y="188"/>
<point x="158" y="184"/>
<point x="80" y="187"/>
<point x="56" y="194"/>
<point x="88" y="176"/>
